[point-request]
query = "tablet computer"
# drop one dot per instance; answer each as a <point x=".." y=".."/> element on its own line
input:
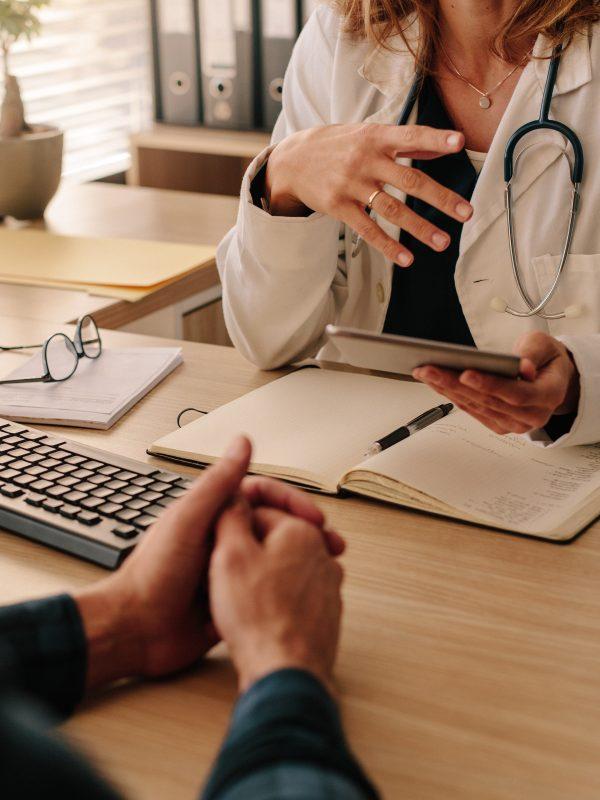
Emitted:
<point x="401" y="354"/>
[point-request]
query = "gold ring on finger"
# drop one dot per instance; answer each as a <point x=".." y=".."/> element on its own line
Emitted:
<point x="374" y="197"/>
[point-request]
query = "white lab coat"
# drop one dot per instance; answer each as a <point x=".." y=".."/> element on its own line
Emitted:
<point x="284" y="279"/>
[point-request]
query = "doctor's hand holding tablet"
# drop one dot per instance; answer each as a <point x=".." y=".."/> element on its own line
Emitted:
<point x="403" y="150"/>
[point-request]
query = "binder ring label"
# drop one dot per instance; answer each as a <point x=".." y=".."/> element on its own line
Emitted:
<point x="180" y="83"/>
<point x="221" y="88"/>
<point x="276" y="90"/>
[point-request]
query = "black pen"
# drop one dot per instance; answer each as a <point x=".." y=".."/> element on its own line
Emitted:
<point x="422" y="421"/>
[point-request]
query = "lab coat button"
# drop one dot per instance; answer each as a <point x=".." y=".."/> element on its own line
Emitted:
<point x="380" y="293"/>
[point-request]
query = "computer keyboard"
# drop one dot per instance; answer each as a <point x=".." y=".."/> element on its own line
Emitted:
<point x="84" y="501"/>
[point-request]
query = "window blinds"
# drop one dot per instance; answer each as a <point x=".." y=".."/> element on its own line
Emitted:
<point x="89" y="73"/>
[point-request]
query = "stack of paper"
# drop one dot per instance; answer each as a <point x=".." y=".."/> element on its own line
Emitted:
<point x="96" y="396"/>
<point x="122" y="268"/>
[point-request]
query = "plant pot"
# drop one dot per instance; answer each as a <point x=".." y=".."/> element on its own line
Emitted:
<point x="30" y="170"/>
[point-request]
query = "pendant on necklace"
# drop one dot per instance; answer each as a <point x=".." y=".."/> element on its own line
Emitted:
<point x="485" y="102"/>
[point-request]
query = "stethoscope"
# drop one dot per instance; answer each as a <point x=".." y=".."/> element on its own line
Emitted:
<point x="510" y="165"/>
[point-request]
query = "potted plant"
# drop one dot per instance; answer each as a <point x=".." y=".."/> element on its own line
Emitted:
<point x="30" y="155"/>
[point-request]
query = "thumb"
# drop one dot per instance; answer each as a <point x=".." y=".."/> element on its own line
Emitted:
<point x="536" y="349"/>
<point x="235" y="528"/>
<point x="219" y="484"/>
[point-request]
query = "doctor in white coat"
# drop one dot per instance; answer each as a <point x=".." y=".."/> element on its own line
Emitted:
<point x="290" y="266"/>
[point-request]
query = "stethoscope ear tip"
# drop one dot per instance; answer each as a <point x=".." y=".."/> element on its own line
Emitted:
<point x="499" y="305"/>
<point x="572" y="312"/>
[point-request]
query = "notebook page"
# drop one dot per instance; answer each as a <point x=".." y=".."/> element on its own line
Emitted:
<point x="506" y="481"/>
<point x="313" y="422"/>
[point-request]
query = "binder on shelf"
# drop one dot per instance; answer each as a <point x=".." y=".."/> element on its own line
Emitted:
<point x="177" y="86"/>
<point x="280" y="21"/>
<point x="227" y="30"/>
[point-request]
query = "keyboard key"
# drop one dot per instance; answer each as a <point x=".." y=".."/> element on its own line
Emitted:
<point x="52" y="505"/>
<point x="125" y="531"/>
<point x="165" y="500"/>
<point x="52" y="441"/>
<point x="154" y="510"/>
<point x="91" y="502"/>
<point x="109" y="509"/>
<point x="70" y="512"/>
<point x="108" y="470"/>
<point x="75" y="497"/>
<point x="119" y="497"/>
<point x="88" y="518"/>
<point x="152" y="497"/>
<point x="116" y="485"/>
<point x="36" y="471"/>
<point x="11" y="491"/>
<point x="66" y="469"/>
<point x="68" y="481"/>
<point x="144" y="522"/>
<point x="5" y="448"/>
<point x="102" y="492"/>
<point x="33" y="458"/>
<point x="41" y="485"/>
<point x="28" y="446"/>
<point x="33" y="436"/>
<point x="137" y="504"/>
<point x="75" y="460"/>
<point x="8" y="474"/>
<point x="53" y="475"/>
<point x="24" y="480"/>
<point x="86" y="487"/>
<point x="4" y="460"/>
<point x="13" y="440"/>
<point x="49" y="463"/>
<point x="19" y="465"/>
<point x="44" y="450"/>
<point x="57" y="491"/>
<point x="62" y="455"/>
<point x="82" y="474"/>
<point x="143" y="480"/>
<point x="126" y="476"/>
<point x="93" y="465"/>
<point x="17" y="452"/>
<point x="159" y="486"/>
<point x="166" y="477"/>
<point x="176" y="492"/>
<point x="34" y="500"/>
<point x="127" y="515"/>
<point x="99" y="480"/>
<point x="133" y="491"/>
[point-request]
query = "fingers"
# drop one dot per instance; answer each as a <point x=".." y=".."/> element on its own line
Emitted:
<point x="373" y="234"/>
<point x="219" y="484"/>
<point x="415" y="183"/>
<point x="546" y="391"/>
<point x="260" y="491"/>
<point x="235" y="530"/>
<point x="400" y="214"/>
<point x="417" y="141"/>
<point x="269" y="520"/>
<point x="537" y="348"/>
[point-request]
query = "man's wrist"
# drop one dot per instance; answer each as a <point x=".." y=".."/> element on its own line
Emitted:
<point x="252" y="669"/>
<point x="114" y="649"/>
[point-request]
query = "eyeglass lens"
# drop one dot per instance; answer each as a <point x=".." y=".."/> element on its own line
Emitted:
<point x="61" y="357"/>
<point x="90" y="338"/>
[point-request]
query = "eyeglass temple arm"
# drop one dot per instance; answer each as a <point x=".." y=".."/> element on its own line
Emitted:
<point x="24" y="380"/>
<point x="20" y="347"/>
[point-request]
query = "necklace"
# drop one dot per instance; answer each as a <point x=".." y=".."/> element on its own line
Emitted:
<point x="485" y="100"/>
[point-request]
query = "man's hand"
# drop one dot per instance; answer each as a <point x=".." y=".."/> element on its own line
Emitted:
<point x="152" y="618"/>
<point x="549" y="386"/>
<point x="275" y="594"/>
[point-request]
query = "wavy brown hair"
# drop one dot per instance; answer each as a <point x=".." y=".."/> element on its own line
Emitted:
<point x="380" y="20"/>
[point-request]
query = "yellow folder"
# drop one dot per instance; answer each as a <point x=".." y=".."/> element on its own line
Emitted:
<point x="122" y="268"/>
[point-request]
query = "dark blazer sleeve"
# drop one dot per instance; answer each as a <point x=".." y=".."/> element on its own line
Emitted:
<point x="286" y="740"/>
<point x="43" y="652"/>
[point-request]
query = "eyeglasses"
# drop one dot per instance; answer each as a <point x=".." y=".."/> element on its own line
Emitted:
<point x="61" y="355"/>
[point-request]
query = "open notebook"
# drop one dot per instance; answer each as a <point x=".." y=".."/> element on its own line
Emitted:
<point x="312" y="428"/>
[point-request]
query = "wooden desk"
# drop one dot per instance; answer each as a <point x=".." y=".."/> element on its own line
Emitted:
<point x="469" y="666"/>
<point x="107" y="210"/>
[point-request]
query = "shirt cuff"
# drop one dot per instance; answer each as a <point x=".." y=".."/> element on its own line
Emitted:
<point x="44" y="651"/>
<point x="287" y="717"/>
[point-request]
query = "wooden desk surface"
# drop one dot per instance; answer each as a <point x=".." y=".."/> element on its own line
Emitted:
<point x="469" y="666"/>
<point x="109" y="210"/>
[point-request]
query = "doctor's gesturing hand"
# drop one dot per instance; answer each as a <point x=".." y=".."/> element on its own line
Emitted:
<point x="341" y="169"/>
<point x="549" y="387"/>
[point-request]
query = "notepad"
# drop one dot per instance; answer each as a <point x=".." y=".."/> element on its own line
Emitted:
<point x="122" y="268"/>
<point x="312" y="428"/>
<point x="96" y="396"/>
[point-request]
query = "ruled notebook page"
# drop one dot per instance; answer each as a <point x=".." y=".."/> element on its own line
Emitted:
<point x="503" y="480"/>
